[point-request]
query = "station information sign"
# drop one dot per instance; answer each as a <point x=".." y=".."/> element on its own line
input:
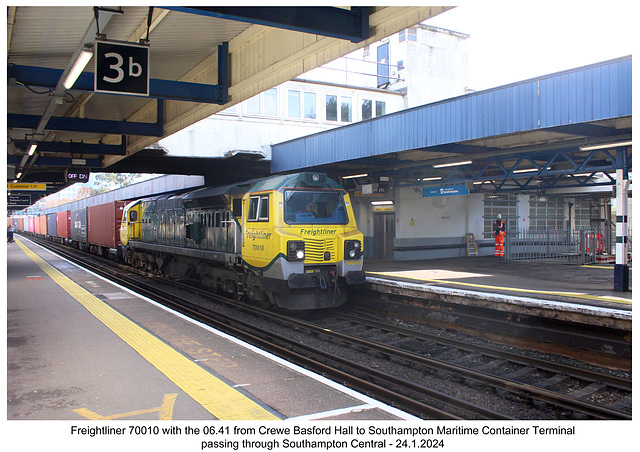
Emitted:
<point x="121" y="68"/>
<point x="27" y="187"/>
<point x="18" y="200"/>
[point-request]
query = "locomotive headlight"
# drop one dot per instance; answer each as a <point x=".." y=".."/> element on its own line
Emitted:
<point x="295" y="250"/>
<point x="352" y="249"/>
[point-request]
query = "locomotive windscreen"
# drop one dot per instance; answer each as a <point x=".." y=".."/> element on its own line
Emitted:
<point x="314" y="207"/>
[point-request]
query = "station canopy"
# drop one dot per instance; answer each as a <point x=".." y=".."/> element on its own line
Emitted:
<point x="89" y="88"/>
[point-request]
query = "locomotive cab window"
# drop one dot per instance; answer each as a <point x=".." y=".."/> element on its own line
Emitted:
<point x="314" y="207"/>
<point x="258" y="208"/>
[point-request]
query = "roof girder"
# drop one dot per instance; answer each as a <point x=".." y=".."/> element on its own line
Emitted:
<point x="352" y="25"/>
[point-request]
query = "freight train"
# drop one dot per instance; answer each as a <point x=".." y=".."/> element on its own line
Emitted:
<point x="287" y="241"/>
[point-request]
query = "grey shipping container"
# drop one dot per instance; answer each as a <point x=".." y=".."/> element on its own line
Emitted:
<point x="78" y="225"/>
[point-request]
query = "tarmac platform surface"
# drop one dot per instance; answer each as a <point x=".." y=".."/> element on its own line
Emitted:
<point x="581" y="284"/>
<point x="82" y="348"/>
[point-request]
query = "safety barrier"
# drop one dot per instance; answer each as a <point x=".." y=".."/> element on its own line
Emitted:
<point x="570" y="246"/>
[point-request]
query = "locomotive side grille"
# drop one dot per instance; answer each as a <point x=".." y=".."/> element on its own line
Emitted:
<point x="316" y="251"/>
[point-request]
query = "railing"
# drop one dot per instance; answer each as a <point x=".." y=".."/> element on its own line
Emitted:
<point x="570" y="246"/>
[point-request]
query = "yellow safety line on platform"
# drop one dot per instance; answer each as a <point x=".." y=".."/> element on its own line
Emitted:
<point x="508" y="289"/>
<point x="221" y="400"/>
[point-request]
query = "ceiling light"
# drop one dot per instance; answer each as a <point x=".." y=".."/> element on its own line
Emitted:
<point x="530" y="170"/>
<point x="355" y="175"/>
<point x="32" y="149"/>
<point x="605" y="146"/>
<point x="77" y="68"/>
<point x="442" y="165"/>
<point x="18" y="176"/>
<point x="382" y="203"/>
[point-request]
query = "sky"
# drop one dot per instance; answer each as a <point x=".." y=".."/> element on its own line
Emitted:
<point x="518" y="40"/>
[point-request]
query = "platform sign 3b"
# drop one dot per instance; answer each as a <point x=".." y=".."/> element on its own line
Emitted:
<point x="121" y="68"/>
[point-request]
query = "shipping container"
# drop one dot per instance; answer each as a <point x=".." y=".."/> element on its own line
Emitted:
<point x="20" y="225"/>
<point x="41" y="225"/>
<point x="31" y="224"/>
<point x="62" y="224"/>
<point x="51" y="225"/>
<point x="78" y="225"/>
<point x="103" y="224"/>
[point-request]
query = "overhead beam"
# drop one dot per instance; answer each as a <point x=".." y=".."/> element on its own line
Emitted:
<point x="74" y="147"/>
<point x="160" y="89"/>
<point x="63" y="162"/>
<point x="86" y="125"/>
<point x="349" y="24"/>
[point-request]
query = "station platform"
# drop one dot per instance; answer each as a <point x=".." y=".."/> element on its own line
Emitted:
<point x="81" y="348"/>
<point x="590" y="285"/>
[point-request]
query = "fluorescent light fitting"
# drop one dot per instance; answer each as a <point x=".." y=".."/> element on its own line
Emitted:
<point x="529" y="170"/>
<point x="77" y="68"/>
<point x="18" y="176"/>
<point x="355" y="175"/>
<point x="443" y="165"/>
<point x="382" y="203"/>
<point x="32" y="149"/>
<point x="431" y="178"/>
<point x="605" y="146"/>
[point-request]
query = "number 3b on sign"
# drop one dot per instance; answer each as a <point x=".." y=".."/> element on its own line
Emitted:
<point x="122" y="68"/>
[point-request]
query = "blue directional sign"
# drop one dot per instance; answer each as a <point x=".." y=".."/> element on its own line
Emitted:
<point x="451" y="190"/>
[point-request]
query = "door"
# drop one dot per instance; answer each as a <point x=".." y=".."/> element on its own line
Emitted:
<point x="384" y="231"/>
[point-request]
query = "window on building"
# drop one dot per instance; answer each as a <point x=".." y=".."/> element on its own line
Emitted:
<point x="310" y="105"/>
<point x="253" y="105"/>
<point x="345" y="109"/>
<point x="271" y="102"/>
<point x="582" y="213"/>
<point x="293" y="104"/>
<point x="381" y="108"/>
<point x="301" y="103"/>
<point x="505" y="205"/>
<point x="263" y="104"/>
<point x="367" y="109"/>
<point x="546" y="213"/>
<point x="410" y="34"/>
<point x="331" y="107"/>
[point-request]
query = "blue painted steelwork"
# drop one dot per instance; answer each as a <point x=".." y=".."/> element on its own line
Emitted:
<point x="161" y="89"/>
<point x="575" y="168"/>
<point x="56" y="161"/>
<point x="153" y="129"/>
<point x="566" y="99"/>
<point x="75" y="147"/>
<point x="338" y="23"/>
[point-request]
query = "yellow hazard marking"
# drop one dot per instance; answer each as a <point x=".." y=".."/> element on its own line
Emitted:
<point x="221" y="400"/>
<point x="165" y="411"/>
<point x="508" y="289"/>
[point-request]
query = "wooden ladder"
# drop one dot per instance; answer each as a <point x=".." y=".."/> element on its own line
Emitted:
<point x="472" y="248"/>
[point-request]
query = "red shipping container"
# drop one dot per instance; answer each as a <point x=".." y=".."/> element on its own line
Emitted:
<point x="31" y="224"/>
<point x="63" y="221"/>
<point x="20" y="224"/>
<point x="103" y="224"/>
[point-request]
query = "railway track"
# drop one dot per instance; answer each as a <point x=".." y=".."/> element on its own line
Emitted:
<point x="427" y="375"/>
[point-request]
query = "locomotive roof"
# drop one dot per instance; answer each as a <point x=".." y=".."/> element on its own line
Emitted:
<point x="297" y="180"/>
